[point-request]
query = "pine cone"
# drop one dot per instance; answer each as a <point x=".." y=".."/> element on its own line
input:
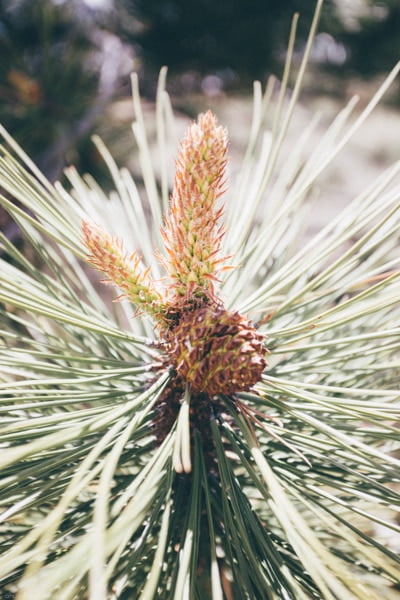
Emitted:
<point x="216" y="351"/>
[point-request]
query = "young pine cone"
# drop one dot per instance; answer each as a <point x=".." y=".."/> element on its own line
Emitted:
<point x="216" y="351"/>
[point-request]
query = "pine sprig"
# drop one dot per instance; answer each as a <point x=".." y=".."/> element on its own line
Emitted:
<point x="121" y="476"/>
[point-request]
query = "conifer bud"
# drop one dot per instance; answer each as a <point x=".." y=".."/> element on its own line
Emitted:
<point x="107" y="254"/>
<point x="192" y="232"/>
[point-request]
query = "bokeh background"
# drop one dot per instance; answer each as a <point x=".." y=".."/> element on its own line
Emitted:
<point x="65" y="65"/>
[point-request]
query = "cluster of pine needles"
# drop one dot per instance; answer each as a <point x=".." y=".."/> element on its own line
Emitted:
<point x="229" y="428"/>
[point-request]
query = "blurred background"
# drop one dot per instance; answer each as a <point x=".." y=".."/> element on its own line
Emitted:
<point x="65" y="64"/>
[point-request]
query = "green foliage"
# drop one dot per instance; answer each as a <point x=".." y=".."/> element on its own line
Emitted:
<point x="288" y="481"/>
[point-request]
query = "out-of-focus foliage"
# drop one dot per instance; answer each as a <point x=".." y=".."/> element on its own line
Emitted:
<point x="52" y="67"/>
<point x="46" y="78"/>
<point x="233" y="39"/>
<point x="374" y="45"/>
